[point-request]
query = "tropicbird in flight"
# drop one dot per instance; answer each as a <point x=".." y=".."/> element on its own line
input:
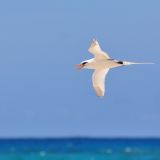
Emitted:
<point x="101" y="63"/>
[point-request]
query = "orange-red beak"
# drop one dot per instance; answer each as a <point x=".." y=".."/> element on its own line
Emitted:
<point x="79" y="66"/>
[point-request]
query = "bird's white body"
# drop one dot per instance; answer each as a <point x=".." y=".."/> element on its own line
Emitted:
<point x="101" y="63"/>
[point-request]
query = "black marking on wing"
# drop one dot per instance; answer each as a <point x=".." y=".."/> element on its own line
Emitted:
<point x="120" y="62"/>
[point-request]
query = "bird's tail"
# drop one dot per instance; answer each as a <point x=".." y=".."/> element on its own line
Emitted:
<point x="129" y="63"/>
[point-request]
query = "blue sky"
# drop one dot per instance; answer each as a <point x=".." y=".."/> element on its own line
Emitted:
<point x="41" y="93"/>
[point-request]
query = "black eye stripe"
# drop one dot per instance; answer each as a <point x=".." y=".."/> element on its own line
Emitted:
<point x="84" y="63"/>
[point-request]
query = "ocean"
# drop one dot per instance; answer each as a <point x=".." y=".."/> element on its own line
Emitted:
<point x="80" y="149"/>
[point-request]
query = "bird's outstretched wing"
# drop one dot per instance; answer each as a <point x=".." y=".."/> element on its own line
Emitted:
<point x="98" y="80"/>
<point x="96" y="50"/>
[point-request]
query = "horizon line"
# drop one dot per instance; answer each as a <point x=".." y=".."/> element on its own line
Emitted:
<point x="77" y="137"/>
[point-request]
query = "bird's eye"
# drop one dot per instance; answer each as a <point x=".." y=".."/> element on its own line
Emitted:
<point x="84" y="63"/>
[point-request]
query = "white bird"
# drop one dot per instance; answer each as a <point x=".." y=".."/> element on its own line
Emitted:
<point x="101" y="63"/>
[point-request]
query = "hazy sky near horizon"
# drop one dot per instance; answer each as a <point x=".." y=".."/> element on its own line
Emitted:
<point x="41" y="92"/>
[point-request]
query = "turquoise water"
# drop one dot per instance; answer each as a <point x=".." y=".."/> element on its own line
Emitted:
<point x="80" y="149"/>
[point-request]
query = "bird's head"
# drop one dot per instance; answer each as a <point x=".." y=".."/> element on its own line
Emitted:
<point x="82" y="65"/>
